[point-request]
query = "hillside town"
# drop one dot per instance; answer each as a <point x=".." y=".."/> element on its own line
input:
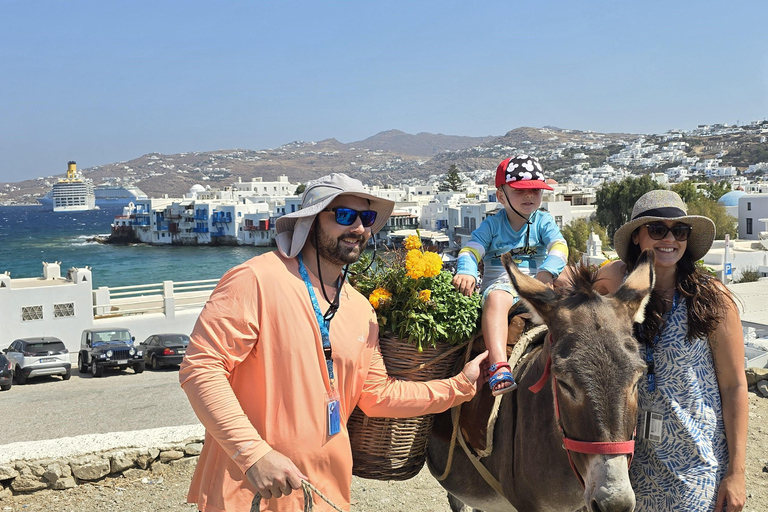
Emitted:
<point x="244" y="212"/>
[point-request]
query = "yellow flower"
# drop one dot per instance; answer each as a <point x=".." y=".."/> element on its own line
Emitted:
<point x="412" y="242"/>
<point x="415" y="264"/>
<point x="378" y="296"/>
<point x="424" y="295"/>
<point x="433" y="264"/>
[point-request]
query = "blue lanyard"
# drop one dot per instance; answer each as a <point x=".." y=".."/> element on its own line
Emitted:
<point x="321" y="321"/>
<point x="651" y="373"/>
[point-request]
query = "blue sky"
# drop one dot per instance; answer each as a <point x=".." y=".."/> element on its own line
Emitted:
<point x="104" y="81"/>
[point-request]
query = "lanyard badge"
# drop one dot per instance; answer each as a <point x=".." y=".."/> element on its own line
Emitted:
<point x="332" y="401"/>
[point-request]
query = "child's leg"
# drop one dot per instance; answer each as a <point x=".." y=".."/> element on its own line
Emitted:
<point x="494" y="324"/>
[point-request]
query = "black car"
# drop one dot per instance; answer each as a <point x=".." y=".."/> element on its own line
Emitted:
<point x="164" y="349"/>
<point x="108" y="348"/>
<point x="6" y="373"/>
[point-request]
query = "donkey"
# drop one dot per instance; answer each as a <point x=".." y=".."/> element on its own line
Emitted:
<point x="569" y="445"/>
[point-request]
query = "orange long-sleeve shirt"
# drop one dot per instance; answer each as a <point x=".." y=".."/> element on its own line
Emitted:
<point x="255" y="375"/>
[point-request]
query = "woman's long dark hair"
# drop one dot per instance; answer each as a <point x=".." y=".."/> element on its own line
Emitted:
<point x="705" y="298"/>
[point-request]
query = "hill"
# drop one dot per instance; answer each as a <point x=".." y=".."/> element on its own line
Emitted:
<point x="394" y="157"/>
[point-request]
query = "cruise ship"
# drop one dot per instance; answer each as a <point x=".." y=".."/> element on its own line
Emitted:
<point x="105" y="195"/>
<point x="73" y="193"/>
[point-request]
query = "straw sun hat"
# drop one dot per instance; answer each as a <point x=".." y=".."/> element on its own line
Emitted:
<point x="665" y="205"/>
<point x="293" y="228"/>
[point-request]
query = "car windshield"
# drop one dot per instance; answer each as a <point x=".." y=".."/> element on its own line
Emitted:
<point x="36" y="348"/>
<point x="107" y="336"/>
<point x="178" y="339"/>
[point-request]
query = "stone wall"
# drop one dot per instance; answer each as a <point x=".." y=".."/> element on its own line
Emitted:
<point x="29" y="476"/>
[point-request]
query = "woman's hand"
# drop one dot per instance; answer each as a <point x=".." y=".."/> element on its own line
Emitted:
<point x="732" y="492"/>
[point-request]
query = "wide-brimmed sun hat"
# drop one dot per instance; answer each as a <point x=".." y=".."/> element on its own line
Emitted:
<point x="665" y="205"/>
<point x="293" y="228"/>
<point x="522" y="172"/>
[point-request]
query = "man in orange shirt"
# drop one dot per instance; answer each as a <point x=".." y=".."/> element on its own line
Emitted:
<point x="282" y="353"/>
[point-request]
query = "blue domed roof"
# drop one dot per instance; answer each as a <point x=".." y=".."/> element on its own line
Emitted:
<point x="731" y="198"/>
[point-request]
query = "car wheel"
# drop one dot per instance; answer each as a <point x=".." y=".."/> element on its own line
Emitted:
<point x="139" y="367"/>
<point x="96" y="370"/>
<point x="6" y="387"/>
<point x="155" y="364"/>
<point x="67" y="375"/>
<point x="82" y="365"/>
<point x="20" y="378"/>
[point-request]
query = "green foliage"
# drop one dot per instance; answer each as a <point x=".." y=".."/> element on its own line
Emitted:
<point x="749" y="275"/>
<point x="452" y="180"/>
<point x="448" y="316"/>
<point x="724" y="223"/>
<point x="615" y="200"/>
<point x="300" y="189"/>
<point x="576" y="234"/>
<point x="686" y="190"/>
<point x="716" y="190"/>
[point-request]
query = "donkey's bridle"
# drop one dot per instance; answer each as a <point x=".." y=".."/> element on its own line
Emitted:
<point x="571" y="445"/>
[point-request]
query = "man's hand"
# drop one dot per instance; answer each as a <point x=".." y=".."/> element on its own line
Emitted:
<point x="274" y="475"/>
<point x="472" y="370"/>
<point x="464" y="283"/>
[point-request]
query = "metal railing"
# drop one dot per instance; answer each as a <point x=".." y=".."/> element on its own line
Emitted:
<point x="166" y="298"/>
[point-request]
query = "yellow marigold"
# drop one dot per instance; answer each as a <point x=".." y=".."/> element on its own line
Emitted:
<point x="415" y="265"/>
<point x="433" y="264"/>
<point x="378" y="296"/>
<point x="412" y="242"/>
<point x="425" y="295"/>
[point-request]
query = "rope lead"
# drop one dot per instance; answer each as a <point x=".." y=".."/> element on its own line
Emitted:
<point x="309" y="504"/>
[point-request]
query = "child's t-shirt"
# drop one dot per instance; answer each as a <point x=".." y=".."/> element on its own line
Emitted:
<point x="547" y="249"/>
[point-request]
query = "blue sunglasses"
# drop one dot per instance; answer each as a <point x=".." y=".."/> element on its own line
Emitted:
<point x="348" y="216"/>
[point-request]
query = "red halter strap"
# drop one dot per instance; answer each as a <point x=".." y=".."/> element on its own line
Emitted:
<point x="571" y="445"/>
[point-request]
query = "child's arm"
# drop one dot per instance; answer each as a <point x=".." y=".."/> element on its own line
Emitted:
<point x="470" y="256"/>
<point x="557" y="251"/>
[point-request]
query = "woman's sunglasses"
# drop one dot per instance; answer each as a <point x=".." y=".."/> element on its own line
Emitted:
<point x="348" y="216"/>
<point x="681" y="232"/>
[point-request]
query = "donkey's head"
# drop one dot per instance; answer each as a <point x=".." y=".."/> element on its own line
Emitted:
<point x="595" y="368"/>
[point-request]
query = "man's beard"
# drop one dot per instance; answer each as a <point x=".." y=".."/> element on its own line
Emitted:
<point x="333" y="250"/>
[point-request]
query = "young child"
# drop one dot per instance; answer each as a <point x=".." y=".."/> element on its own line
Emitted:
<point x="536" y="243"/>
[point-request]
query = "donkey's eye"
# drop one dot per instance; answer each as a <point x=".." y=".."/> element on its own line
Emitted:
<point x="567" y="388"/>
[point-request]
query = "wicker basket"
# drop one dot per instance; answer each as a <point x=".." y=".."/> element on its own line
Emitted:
<point x="396" y="448"/>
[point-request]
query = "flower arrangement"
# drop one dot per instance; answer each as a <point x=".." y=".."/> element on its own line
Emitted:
<point x="414" y="298"/>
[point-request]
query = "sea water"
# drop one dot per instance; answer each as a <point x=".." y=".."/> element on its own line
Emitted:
<point x="30" y="235"/>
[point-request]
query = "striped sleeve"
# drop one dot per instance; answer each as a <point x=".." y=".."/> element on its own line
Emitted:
<point x="557" y="248"/>
<point x="471" y="254"/>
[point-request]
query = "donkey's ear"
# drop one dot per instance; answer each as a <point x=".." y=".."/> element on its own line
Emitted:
<point x="540" y="297"/>
<point x="636" y="290"/>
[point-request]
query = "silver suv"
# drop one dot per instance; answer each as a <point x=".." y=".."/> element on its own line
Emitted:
<point x="33" y="357"/>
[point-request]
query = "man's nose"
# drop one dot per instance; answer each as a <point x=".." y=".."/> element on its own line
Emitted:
<point x="357" y="226"/>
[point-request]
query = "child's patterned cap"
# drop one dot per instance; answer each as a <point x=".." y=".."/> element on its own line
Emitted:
<point x="521" y="171"/>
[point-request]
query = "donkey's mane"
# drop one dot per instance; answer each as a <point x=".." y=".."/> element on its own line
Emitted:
<point x="580" y="284"/>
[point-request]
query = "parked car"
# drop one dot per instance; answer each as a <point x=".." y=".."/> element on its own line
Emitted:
<point x="108" y="348"/>
<point x="33" y="357"/>
<point x="165" y="349"/>
<point x="6" y="373"/>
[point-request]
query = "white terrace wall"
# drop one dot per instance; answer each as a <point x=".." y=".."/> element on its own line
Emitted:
<point x="43" y="295"/>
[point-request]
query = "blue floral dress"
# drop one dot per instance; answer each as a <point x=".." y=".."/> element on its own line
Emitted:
<point x="683" y="471"/>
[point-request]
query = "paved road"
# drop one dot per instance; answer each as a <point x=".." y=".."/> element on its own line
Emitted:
<point x="50" y="408"/>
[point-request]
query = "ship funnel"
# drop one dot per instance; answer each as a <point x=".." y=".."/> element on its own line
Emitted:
<point x="71" y="169"/>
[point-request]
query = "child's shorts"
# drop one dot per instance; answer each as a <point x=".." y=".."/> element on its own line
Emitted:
<point x="503" y="285"/>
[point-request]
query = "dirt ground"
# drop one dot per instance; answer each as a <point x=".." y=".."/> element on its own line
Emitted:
<point x="164" y="487"/>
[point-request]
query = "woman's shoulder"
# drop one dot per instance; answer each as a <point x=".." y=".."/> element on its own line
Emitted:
<point x="610" y="276"/>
